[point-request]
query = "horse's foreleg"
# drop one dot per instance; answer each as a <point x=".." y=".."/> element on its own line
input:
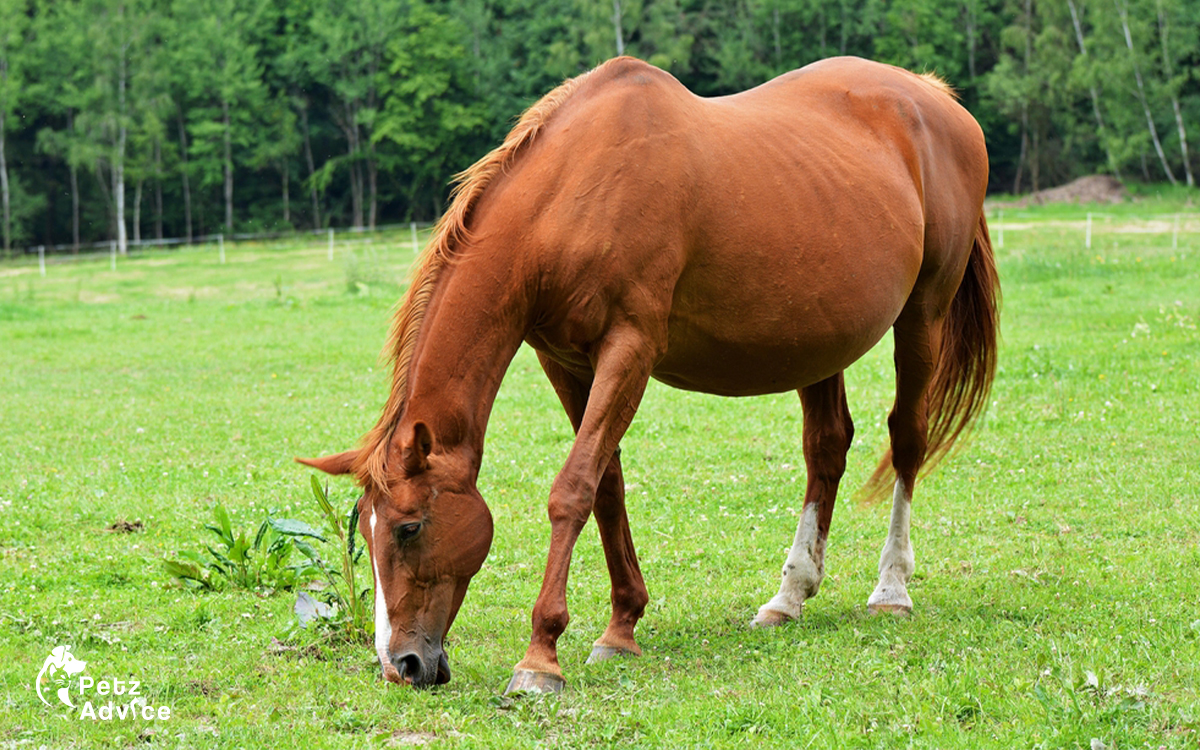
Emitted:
<point x="622" y="369"/>
<point x="828" y="432"/>
<point x="629" y="595"/>
<point x="917" y="341"/>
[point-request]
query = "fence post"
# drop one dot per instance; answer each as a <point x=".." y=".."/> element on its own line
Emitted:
<point x="1087" y="237"/>
<point x="113" y="247"/>
<point x="412" y="227"/>
<point x="331" y="244"/>
<point x="221" y="246"/>
<point x="42" y="259"/>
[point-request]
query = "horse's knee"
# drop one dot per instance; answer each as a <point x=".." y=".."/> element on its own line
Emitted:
<point x="570" y="502"/>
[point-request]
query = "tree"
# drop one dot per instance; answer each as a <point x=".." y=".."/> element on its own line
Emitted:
<point x="1177" y="39"/>
<point x="347" y="55"/>
<point x="1087" y="72"/>
<point x="429" y="112"/>
<point x="217" y="46"/>
<point x="13" y="25"/>
<point x="279" y="144"/>
<point x="1143" y="99"/>
<point x="118" y="34"/>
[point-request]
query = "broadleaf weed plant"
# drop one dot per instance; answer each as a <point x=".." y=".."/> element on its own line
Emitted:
<point x="341" y="608"/>
<point x="236" y="560"/>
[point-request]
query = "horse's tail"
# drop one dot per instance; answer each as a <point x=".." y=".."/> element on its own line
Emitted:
<point x="966" y="364"/>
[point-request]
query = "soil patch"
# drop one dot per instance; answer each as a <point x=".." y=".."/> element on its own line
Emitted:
<point x="1097" y="188"/>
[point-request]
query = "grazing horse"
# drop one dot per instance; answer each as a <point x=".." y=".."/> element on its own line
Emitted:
<point x="738" y="245"/>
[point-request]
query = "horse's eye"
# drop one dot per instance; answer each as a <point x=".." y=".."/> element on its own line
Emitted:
<point x="407" y="531"/>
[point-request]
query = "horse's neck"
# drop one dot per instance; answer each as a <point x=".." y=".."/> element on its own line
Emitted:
<point x="473" y="328"/>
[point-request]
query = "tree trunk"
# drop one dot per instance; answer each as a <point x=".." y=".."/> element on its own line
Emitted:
<point x="1024" y="156"/>
<point x="1183" y="146"/>
<point x="1095" y="95"/>
<point x="971" y="22"/>
<point x="1024" y="149"/>
<point x="775" y="37"/>
<point x="228" y="169"/>
<point x="183" y="171"/>
<point x="137" y="212"/>
<point x="1167" y="68"/>
<point x="7" y="217"/>
<point x="824" y="29"/>
<point x="74" y="209"/>
<point x="1035" y="158"/>
<point x="356" y="194"/>
<point x="1122" y="11"/>
<point x="616" y="19"/>
<point x="845" y="27"/>
<point x="287" y="212"/>
<point x="5" y="211"/>
<point x="119" y="156"/>
<point x="308" y="157"/>
<point x="158" y="205"/>
<point x="74" y="170"/>
<point x="372" y="182"/>
<point x="356" y="184"/>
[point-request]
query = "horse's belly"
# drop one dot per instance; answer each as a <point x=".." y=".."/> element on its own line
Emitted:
<point x="753" y="355"/>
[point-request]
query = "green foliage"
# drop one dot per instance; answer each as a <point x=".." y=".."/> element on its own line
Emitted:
<point x="261" y="563"/>
<point x="312" y="113"/>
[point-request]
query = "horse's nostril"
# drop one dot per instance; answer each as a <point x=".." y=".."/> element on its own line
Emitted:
<point x="409" y="667"/>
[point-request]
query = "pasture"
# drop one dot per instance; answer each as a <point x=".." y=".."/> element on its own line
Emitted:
<point x="1058" y="553"/>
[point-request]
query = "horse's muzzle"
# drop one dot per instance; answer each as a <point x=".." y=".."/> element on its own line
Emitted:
<point x="410" y="668"/>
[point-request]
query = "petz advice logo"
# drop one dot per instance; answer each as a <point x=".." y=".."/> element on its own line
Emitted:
<point x="125" y="700"/>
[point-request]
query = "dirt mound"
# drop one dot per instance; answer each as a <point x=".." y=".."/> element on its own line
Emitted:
<point x="1098" y="188"/>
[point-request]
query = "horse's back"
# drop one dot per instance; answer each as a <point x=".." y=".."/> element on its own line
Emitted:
<point x="775" y="234"/>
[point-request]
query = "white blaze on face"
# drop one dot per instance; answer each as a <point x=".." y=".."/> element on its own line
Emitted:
<point x="383" y="626"/>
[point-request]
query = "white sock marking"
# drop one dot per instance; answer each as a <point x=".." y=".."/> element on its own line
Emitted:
<point x="804" y="569"/>
<point x="896" y="562"/>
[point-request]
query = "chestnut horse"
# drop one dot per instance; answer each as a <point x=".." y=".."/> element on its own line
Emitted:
<point x="740" y="245"/>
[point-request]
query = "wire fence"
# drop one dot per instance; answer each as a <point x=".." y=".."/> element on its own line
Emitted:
<point x="48" y="255"/>
<point x="1178" y="226"/>
<point x="1094" y="223"/>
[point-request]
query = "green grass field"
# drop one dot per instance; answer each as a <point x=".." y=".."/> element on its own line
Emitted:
<point x="1058" y="553"/>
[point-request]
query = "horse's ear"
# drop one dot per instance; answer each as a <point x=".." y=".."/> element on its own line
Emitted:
<point x="416" y="453"/>
<point x="338" y="463"/>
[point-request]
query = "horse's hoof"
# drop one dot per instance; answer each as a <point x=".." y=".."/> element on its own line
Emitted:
<point x="896" y="610"/>
<point x="769" y="618"/>
<point x="604" y="653"/>
<point x="528" y="681"/>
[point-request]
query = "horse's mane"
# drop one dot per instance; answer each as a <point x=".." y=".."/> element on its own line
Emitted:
<point x="939" y="83"/>
<point x="450" y="234"/>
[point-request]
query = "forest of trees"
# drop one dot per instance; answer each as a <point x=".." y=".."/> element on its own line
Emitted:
<point x="128" y="119"/>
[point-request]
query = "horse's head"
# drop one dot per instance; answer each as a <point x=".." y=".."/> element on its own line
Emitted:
<point x="428" y="531"/>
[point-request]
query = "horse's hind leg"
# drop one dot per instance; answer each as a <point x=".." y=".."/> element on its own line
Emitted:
<point x="629" y="596"/>
<point x="828" y="432"/>
<point x="917" y="341"/>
